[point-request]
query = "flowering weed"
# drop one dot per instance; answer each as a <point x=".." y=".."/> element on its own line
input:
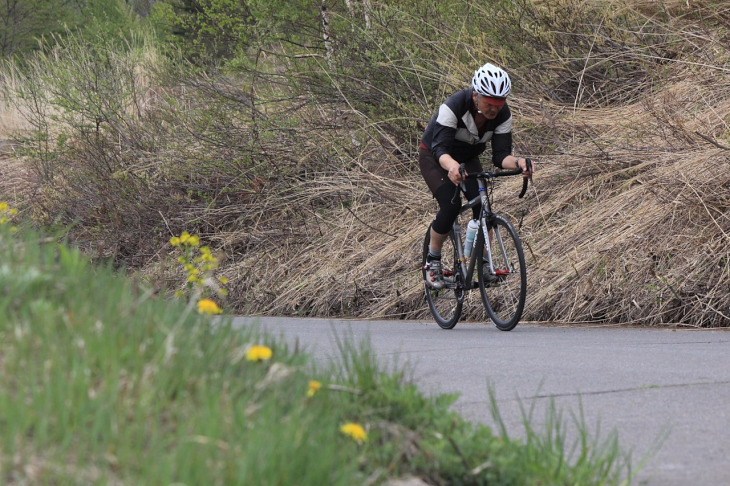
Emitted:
<point x="209" y="307"/>
<point x="259" y="353"/>
<point x="7" y="214"/>
<point x="355" y="431"/>
<point x="200" y="265"/>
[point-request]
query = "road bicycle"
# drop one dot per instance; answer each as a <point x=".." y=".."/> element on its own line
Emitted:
<point x="496" y="257"/>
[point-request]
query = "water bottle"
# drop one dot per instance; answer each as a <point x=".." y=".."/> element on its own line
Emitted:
<point x="471" y="233"/>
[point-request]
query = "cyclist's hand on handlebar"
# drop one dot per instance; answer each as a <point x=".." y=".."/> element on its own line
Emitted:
<point x="527" y="165"/>
<point x="455" y="175"/>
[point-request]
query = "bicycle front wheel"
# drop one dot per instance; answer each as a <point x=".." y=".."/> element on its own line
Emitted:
<point x="445" y="304"/>
<point x="503" y="285"/>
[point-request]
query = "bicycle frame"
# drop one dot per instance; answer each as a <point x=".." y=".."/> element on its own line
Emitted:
<point x="484" y="218"/>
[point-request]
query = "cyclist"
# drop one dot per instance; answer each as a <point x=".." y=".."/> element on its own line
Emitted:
<point x="458" y="133"/>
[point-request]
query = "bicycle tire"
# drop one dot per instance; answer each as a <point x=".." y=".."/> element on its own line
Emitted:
<point x="445" y="304"/>
<point x="504" y="291"/>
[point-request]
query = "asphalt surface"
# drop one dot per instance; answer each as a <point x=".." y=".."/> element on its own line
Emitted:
<point x="649" y="386"/>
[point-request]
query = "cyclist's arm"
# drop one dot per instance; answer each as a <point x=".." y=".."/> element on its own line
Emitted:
<point x="502" y="139"/>
<point x="511" y="162"/>
<point x="443" y="139"/>
<point x="502" y="154"/>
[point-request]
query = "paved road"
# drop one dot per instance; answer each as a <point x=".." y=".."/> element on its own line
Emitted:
<point x="642" y="384"/>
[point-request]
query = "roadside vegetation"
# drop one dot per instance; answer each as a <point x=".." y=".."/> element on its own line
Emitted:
<point x="103" y="382"/>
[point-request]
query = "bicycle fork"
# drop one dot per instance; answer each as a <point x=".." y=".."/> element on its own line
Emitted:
<point x="488" y="216"/>
<point x="460" y="263"/>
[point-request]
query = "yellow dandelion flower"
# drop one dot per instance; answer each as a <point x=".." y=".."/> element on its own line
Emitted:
<point x="313" y="388"/>
<point x="3" y="206"/>
<point x="259" y="353"/>
<point x="193" y="241"/>
<point x="208" y="306"/>
<point x="175" y="241"/>
<point x="355" y="432"/>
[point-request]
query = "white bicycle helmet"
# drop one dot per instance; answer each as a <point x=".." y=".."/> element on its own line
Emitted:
<point x="489" y="80"/>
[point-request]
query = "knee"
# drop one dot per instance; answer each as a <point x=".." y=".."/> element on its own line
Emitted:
<point x="444" y="220"/>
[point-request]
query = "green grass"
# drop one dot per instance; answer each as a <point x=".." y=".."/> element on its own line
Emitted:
<point x="102" y="382"/>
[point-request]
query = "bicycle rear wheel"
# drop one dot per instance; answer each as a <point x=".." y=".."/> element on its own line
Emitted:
<point x="445" y="304"/>
<point x="504" y="289"/>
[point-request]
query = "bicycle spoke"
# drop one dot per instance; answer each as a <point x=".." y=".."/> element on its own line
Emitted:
<point x="503" y="285"/>
<point x="445" y="304"/>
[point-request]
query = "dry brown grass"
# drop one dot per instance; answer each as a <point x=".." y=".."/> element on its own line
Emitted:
<point x="14" y="183"/>
<point x="10" y="119"/>
<point x="640" y="239"/>
<point x="640" y="233"/>
<point x="630" y="224"/>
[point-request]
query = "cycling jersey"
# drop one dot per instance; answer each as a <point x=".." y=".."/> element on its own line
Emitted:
<point x="452" y="130"/>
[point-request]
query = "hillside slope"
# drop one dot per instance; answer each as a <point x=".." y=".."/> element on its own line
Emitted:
<point x="628" y="221"/>
<point x="297" y="165"/>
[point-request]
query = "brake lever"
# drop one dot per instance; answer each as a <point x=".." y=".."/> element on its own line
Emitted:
<point x="462" y="171"/>
<point x="525" y="180"/>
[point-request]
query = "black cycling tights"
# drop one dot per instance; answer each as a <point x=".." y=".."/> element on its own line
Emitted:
<point x="450" y="210"/>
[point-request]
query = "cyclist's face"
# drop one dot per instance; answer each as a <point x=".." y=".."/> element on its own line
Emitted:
<point x="488" y="107"/>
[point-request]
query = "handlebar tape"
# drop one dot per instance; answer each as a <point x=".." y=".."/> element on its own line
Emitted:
<point x="528" y="163"/>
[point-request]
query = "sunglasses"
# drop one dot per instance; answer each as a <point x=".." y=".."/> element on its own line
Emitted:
<point x="494" y="101"/>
